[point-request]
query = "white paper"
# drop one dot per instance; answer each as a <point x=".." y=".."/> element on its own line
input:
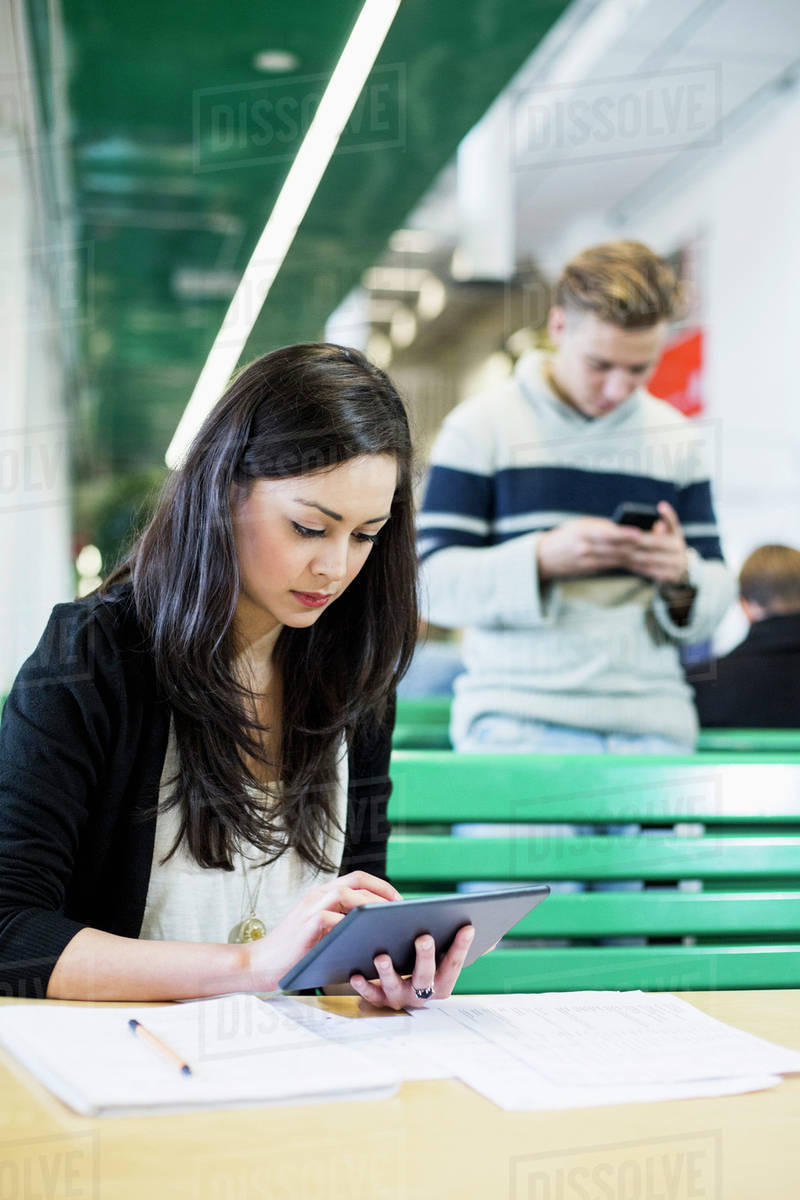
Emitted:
<point x="577" y="1049"/>
<point x="513" y="1085"/>
<point x="240" y="1051"/>
<point x="409" y="1051"/>
<point x="553" y="1051"/>
<point x="615" y="1038"/>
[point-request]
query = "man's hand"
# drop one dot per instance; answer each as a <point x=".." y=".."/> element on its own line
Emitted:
<point x="662" y="554"/>
<point x="587" y="546"/>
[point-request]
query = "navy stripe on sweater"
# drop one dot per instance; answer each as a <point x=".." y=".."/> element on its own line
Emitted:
<point x="463" y="492"/>
<point x="462" y="508"/>
<point x="569" y="489"/>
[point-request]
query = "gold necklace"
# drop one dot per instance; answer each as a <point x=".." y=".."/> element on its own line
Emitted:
<point x="251" y="927"/>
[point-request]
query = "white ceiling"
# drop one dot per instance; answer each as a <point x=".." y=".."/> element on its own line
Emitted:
<point x="648" y="58"/>
<point x="730" y="58"/>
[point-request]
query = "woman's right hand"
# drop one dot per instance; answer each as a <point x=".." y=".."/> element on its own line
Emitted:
<point x="315" y="915"/>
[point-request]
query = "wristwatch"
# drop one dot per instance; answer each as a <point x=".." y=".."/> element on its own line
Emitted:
<point x="683" y="589"/>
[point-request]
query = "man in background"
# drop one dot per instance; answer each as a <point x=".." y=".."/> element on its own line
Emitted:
<point x="757" y="685"/>
<point x="573" y="621"/>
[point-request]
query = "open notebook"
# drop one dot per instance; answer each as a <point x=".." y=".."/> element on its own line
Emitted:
<point x="241" y="1050"/>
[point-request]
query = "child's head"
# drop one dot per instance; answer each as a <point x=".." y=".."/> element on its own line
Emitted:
<point x="769" y="582"/>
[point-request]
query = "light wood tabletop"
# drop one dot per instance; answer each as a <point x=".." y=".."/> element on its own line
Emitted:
<point x="430" y="1141"/>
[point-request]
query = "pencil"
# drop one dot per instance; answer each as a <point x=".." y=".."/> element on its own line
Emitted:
<point x="138" y="1030"/>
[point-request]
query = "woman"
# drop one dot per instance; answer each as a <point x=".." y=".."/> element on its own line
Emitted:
<point x="193" y="763"/>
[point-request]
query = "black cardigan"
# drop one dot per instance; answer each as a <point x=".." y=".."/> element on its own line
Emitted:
<point x="82" y="746"/>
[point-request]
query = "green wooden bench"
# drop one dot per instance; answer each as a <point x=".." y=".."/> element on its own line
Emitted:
<point x="750" y="741"/>
<point x="729" y="823"/>
<point x="424" y="724"/>
<point x="426" y="709"/>
<point x="410" y="735"/>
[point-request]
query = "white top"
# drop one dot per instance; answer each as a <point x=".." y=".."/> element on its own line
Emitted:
<point x="189" y="903"/>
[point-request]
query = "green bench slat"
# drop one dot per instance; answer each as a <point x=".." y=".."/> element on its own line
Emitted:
<point x="654" y="968"/>
<point x="750" y="741"/>
<point x="421" y="737"/>
<point x="421" y="857"/>
<point x="425" y="723"/>
<point x="423" y="710"/>
<point x="662" y="914"/>
<point x="744" y="924"/>
<point x="431" y="785"/>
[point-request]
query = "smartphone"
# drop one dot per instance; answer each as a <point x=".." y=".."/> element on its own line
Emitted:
<point x="642" y="516"/>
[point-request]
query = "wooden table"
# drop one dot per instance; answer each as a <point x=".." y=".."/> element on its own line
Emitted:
<point x="431" y="1141"/>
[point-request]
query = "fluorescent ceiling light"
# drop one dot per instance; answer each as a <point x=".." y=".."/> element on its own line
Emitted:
<point x="403" y="327"/>
<point x="381" y="310"/>
<point x="193" y="283"/>
<point x="394" y="279"/>
<point x="521" y="340"/>
<point x="305" y="173"/>
<point x="277" y="62"/>
<point x="432" y="297"/>
<point x="379" y="349"/>
<point x="89" y="562"/>
<point x="461" y="265"/>
<point x="412" y="241"/>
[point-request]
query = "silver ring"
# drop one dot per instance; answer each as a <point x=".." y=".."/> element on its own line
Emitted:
<point x="423" y="993"/>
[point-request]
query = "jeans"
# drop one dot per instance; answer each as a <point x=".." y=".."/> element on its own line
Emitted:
<point x="524" y="735"/>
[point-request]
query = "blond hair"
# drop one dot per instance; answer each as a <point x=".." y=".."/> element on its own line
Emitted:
<point x="622" y="282"/>
<point x="770" y="576"/>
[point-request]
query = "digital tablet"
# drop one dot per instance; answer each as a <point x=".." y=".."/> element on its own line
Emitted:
<point x="391" y="927"/>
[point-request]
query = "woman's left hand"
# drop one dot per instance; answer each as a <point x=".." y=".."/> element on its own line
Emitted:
<point x="391" y="990"/>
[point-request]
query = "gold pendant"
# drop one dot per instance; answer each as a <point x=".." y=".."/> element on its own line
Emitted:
<point x="248" y="930"/>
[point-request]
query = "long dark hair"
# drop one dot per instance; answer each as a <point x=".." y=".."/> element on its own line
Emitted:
<point x="299" y="410"/>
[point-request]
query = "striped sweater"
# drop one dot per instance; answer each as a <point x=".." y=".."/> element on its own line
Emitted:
<point x="595" y="653"/>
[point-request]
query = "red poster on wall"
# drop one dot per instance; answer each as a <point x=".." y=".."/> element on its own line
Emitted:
<point x="678" y="378"/>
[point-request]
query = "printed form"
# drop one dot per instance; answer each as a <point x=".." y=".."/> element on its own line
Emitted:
<point x="576" y="1049"/>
